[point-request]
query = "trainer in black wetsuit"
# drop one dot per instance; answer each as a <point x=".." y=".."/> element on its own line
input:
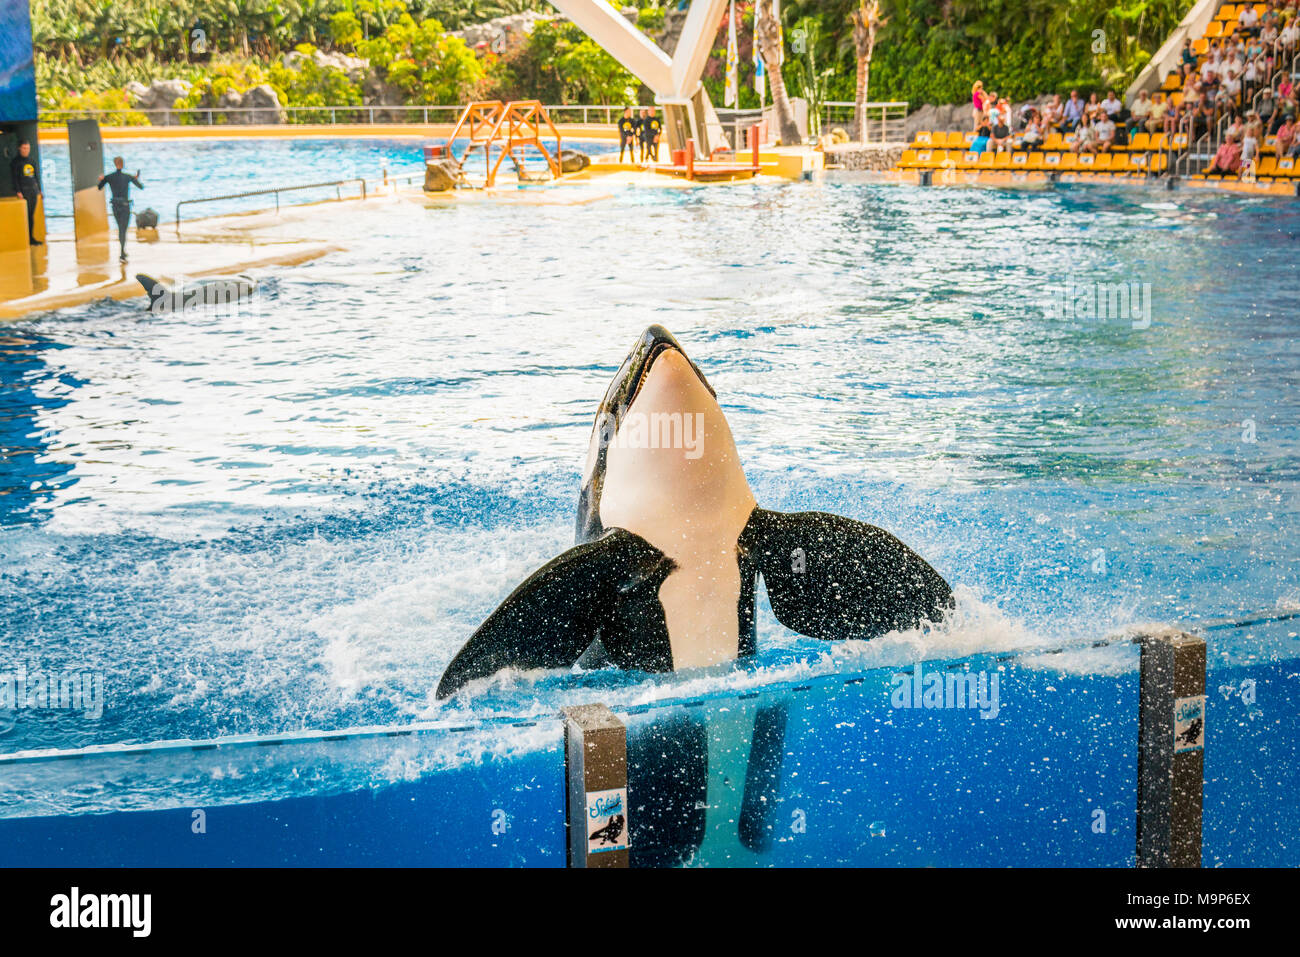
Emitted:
<point x="628" y="126"/>
<point x="650" y="127"/>
<point x="120" y="183"/>
<point x="27" y="184"/>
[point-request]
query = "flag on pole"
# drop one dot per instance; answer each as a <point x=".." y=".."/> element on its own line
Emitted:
<point x="732" y="95"/>
<point x="759" y="74"/>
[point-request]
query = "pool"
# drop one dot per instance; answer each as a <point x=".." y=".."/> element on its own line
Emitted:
<point x="292" y="521"/>
<point x="177" y="170"/>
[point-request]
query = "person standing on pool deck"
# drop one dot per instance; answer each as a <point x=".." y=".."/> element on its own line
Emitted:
<point x="27" y="184"/>
<point x="628" y="127"/>
<point x="650" y="127"/>
<point x="120" y="185"/>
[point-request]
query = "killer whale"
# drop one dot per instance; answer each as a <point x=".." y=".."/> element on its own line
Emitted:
<point x="671" y="542"/>
<point x="222" y="290"/>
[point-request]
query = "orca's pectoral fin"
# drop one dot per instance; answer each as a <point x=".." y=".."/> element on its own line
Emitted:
<point x="832" y="577"/>
<point x="549" y="620"/>
<point x="148" y="282"/>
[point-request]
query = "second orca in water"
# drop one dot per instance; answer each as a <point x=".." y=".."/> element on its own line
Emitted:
<point x="671" y="543"/>
<point x="196" y="293"/>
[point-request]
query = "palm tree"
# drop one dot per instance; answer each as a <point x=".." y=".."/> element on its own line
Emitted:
<point x="767" y="34"/>
<point x="866" y="21"/>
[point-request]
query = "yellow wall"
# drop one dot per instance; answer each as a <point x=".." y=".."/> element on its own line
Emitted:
<point x="15" y="251"/>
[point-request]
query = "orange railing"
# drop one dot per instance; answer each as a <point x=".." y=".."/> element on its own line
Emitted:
<point x="483" y="121"/>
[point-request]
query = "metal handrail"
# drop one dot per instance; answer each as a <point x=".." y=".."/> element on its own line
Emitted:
<point x="368" y="112"/>
<point x="338" y="184"/>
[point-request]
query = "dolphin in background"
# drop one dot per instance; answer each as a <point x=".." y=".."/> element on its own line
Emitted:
<point x="671" y="543"/>
<point x="196" y="293"/>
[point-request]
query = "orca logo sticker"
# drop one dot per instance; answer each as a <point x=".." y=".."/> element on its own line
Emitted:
<point x="1189" y="724"/>
<point x="607" y="821"/>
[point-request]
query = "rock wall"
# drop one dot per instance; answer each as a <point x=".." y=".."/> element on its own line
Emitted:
<point x="856" y="156"/>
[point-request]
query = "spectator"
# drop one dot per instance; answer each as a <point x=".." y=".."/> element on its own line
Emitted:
<point x="1053" y="113"/>
<point x="1227" y="159"/>
<point x="977" y="102"/>
<point x="1248" y="20"/>
<point x="1032" y="137"/>
<point x="1141" y="111"/>
<point x="1103" y="132"/>
<point x="1073" y="112"/>
<point x="1112" y="104"/>
<point x="1189" y="55"/>
<point x="982" y="132"/>
<point x="1286" y="135"/>
<point x="1085" y="137"/>
<point x="1159" y="109"/>
<point x="1001" y="127"/>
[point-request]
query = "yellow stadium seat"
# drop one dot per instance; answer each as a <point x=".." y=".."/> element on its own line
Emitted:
<point x="1138" y="162"/>
<point x="908" y="158"/>
<point x="1035" y="161"/>
<point x="1267" y="166"/>
<point x="1201" y="47"/>
<point x="1069" y="161"/>
<point x="1285" y="166"/>
<point x="1103" y="161"/>
<point x="1019" y="159"/>
<point x="923" y="138"/>
<point x="1054" y="141"/>
<point x="1052" y="161"/>
<point x="985" y="160"/>
<point x="968" y="160"/>
<point x="1140" y="143"/>
<point x="1172" y="82"/>
<point x="1002" y="160"/>
<point x="1119" y="163"/>
<point x="1214" y="29"/>
<point x="1159" y="141"/>
<point x="1179" y="141"/>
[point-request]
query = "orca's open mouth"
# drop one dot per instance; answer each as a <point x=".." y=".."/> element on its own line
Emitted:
<point x="654" y="342"/>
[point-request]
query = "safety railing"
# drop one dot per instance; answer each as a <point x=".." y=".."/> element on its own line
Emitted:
<point x="583" y="114"/>
<point x="338" y="185"/>
<point x="885" y="121"/>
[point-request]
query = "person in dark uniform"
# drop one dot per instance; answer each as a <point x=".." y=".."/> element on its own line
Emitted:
<point x="120" y="183"/>
<point x="27" y="184"/>
<point x="650" y="129"/>
<point x="628" y="127"/>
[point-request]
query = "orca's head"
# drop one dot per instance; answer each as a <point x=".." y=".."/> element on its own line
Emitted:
<point x="660" y="440"/>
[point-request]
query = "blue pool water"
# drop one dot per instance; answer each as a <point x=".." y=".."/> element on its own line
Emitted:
<point x="177" y="170"/>
<point x="292" y="520"/>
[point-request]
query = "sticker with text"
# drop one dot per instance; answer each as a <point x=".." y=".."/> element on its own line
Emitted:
<point x="1189" y="724"/>
<point x="607" y="821"/>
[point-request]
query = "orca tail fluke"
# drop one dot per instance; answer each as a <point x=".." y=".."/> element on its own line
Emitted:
<point x="149" y="283"/>
<point x="831" y="577"/>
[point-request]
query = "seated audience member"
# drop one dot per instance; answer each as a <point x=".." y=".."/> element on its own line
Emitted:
<point x="1189" y="55"/>
<point x="1248" y="20"/>
<point x="1266" y="108"/>
<point x="1032" y="137"/>
<point x="981" y="142"/>
<point x="1140" y="113"/>
<point x="1073" y="112"/>
<point x="1286" y="135"/>
<point x="1159" y="109"/>
<point x="1227" y="159"/>
<point x="1112" y="104"/>
<point x="1085" y="137"/>
<point x="1053" y="113"/>
<point x="1104" y="132"/>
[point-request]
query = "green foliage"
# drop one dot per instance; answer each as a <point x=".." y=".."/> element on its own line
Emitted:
<point x="426" y="64"/>
<point x="557" y="63"/>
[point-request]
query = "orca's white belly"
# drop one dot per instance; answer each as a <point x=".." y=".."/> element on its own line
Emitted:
<point x="673" y="477"/>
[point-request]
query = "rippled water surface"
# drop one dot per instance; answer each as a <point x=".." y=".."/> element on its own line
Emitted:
<point x="293" y="517"/>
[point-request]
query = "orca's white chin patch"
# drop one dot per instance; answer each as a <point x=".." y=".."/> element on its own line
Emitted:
<point x="672" y="465"/>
